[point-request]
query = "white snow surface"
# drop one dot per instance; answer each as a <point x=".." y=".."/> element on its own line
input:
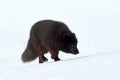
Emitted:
<point x="96" y="24"/>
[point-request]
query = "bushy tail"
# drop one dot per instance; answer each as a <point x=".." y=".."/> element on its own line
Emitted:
<point x="28" y="55"/>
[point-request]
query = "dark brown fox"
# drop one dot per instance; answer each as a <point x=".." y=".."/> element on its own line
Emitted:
<point x="49" y="36"/>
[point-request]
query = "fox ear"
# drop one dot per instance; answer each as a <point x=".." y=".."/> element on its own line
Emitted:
<point x="73" y="34"/>
<point x="67" y="37"/>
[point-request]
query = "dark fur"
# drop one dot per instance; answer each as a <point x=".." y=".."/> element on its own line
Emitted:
<point x="49" y="36"/>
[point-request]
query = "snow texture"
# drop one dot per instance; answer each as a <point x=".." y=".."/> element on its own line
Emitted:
<point x="95" y="22"/>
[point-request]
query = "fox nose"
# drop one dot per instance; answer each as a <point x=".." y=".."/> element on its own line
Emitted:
<point x="76" y="51"/>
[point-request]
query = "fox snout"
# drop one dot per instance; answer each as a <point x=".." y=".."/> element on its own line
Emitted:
<point x="74" y="50"/>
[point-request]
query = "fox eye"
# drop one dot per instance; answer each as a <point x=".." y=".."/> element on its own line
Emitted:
<point x="73" y="45"/>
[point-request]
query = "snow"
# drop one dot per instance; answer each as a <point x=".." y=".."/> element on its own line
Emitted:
<point x="95" y="22"/>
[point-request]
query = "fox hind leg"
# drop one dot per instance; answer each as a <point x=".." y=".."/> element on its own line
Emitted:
<point x="42" y="58"/>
